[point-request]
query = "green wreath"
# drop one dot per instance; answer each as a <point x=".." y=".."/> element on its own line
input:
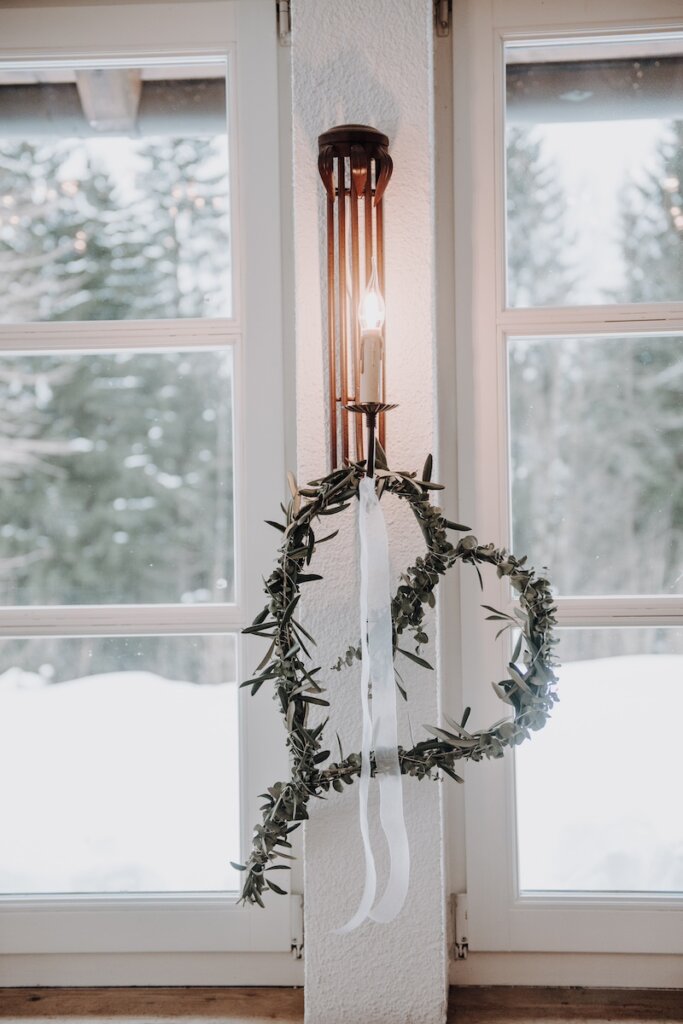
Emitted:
<point x="528" y="689"/>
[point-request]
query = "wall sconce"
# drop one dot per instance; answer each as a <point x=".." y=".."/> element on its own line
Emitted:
<point x="355" y="167"/>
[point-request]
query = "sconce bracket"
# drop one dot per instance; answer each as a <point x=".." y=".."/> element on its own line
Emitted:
<point x="353" y="135"/>
<point x="360" y="144"/>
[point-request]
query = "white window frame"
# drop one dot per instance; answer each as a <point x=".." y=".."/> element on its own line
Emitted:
<point x="39" y="934"/>
<point x="499" y="917"/>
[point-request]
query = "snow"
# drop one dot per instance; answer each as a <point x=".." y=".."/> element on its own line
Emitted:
<point x="128" y="782"/>
<point x="119" y="782"/>
<point x="598" y="790"/>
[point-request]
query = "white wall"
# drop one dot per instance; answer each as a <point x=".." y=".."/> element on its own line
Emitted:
<point x="369" y="63"/>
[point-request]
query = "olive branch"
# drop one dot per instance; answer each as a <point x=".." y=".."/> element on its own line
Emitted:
<point x="286" y="665"/>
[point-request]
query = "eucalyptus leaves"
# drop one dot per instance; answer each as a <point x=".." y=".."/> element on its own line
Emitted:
<point x="286" y="666"/>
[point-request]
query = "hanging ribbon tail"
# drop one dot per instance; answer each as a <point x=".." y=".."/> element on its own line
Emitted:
<point x="380" y="728"/>
<point x="370" y="885"/>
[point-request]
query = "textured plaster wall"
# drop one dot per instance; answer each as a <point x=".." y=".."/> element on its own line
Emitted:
<point x="369" y="62"/>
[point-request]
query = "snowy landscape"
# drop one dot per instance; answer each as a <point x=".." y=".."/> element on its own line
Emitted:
<point x="119" y="782"/>
<point x="598" y="789"/>
<point x="128" y="782"/>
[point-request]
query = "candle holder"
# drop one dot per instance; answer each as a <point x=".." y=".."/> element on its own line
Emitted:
<point x="355" y="168"/>
<point x="371" y="410"/>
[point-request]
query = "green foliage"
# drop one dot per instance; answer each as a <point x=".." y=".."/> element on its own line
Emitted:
<point x="596" y="424"/>
<point x="652" y="228"/>
<point x="181" y="225"/>
<point x="527" y="690"/>
<point x="78" y="244"/>
<point x="538" y="233"/>
<point x="125" y="471"/>
<point x="115" y="467"/>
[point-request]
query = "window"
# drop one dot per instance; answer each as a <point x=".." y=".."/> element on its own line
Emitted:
<point x="135" y="247"/>
<point x="576" y="308"/>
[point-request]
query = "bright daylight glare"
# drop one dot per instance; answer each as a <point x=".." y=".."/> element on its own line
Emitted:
<point x="605" y="821"/>
<point x="112" y="746"/>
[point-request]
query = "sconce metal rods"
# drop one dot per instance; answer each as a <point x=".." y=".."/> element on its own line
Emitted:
<point x="355" y="167"/>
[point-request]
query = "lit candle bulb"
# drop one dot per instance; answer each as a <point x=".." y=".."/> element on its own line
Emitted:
<point x="371" y="317"/>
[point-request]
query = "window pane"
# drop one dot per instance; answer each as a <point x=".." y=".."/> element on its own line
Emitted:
<point x="119" y="761"/>
<point x="594" y="139"/>
<point x="598" y="790"/>
<point x="596" y="430"/>
<point x="114" y="193"/>
<point x="116" y="476"/>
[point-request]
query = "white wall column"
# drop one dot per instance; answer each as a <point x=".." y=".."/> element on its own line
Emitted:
<point x="370" y="63"/>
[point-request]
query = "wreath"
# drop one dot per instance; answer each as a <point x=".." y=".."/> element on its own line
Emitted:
<point x="286" y="666"/>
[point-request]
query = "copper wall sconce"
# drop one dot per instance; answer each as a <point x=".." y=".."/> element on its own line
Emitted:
<point x="355" y="167"/>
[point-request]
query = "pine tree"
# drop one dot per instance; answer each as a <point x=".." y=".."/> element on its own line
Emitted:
<point x="140" y="445"/>
<point x="652" y="246"/>
<point x="33" y="241"/>
<point x="105" y="257"/>
<point x="652" y="228"/>
<point x="182" y="215"/>
<point x="539" y="271"/>
<point x="30" y="287"/>
<point x="597" y="428"/>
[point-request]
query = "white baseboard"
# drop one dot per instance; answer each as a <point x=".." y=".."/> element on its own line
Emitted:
<point x="599" y="970"/>
<point x="150" y="969"/>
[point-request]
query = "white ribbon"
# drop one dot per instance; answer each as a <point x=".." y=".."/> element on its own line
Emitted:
<point x="378" y="701"/>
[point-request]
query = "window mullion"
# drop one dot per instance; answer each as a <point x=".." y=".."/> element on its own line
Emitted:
<point x="116" y="620"/>
<point x="593" y="319"/>
<point x="616" y="611"/>
<point x="103" y="335"/>
<point x="620" y="611"/>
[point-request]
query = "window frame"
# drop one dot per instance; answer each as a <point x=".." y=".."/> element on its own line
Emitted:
<point x="499" y="917"/>
<point x="244" y="33"/>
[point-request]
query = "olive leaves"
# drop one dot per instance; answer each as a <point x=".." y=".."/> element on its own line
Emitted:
<point x="288" y="664"/>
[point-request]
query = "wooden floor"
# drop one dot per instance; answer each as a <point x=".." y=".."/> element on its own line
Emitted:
<point x="153" y="1005"/>
<point x="491" y="1005"/>
<point x="503" y="1004"/>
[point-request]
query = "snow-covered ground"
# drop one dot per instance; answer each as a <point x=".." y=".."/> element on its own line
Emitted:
<point x="120" y="782"/>
<point x="599" y="789"/>
<point x="127" y="782"/>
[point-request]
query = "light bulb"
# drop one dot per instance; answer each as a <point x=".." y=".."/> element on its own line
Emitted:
<point x="371" y="311"/>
